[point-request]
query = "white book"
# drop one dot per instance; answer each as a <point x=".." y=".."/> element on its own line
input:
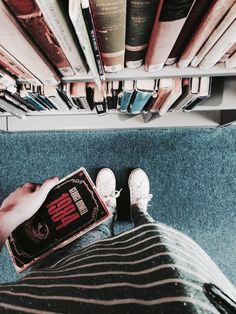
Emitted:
<point x="8" y="107"/>
<point x="231" y="61"/>
<point x="13" y="39"/>
<point x="57" y="22"/>
<point x="227" y="40"/>
<point x="217" y="33"/>
<point x="77" y="19"/>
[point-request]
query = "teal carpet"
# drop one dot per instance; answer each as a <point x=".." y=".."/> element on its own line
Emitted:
<point x="192" y="174"/>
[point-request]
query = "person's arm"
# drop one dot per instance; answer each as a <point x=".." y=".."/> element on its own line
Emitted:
<point x="22" y="204"/>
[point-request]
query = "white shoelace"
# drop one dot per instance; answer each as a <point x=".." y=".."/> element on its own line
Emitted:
<point x="110" y="199"/>
<point x="142" y="202"/>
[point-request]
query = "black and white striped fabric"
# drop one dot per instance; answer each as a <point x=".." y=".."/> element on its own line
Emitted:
<point x="149" y="269"/>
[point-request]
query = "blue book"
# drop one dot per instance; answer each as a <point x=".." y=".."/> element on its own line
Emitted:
<point x="145" y="89"/>
<point x="128" y="90"/>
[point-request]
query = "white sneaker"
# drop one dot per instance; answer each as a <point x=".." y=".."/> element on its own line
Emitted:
<point x="139" y="188"/>
<point x="106" y="187"/>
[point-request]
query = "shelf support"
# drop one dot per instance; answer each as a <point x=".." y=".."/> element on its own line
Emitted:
<point x="228" y="117"/>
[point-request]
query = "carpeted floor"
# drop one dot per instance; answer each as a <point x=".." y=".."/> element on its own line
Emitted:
<point x="192" y="174"/>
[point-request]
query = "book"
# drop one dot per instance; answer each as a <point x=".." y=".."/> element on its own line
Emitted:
<point x="164" y="89"/>
<point x="78" y="90"/>
<point x="116" y="89"/>
<point x="226" y="41"/>
<point x="190" y="91"/>
<point x="175" y="93"/>
<point x="15" y="67"/>
<point x="193" y="20"/>
<point x="77" y="19"/>
<point x="167" y="26"/>
<point x="10" y="107"/>
<point x="72" y="208"/>
<point x="20" y="47"/>
<point x="139" y="23"/>
<point x="211" y="19"/>
<point x="203" y="94"/>
<point x="110" y="20"/>
<point x="143" y="92"/>
<point x="215" y="36"/>
<point x="228" y="53"/>
<point x="32" y="20"/>
<point x="87" y="13"/>
<point x="231" y="61"/>
<point x="57" y="19"/>
<point x="99" y="100"/>
<point x="126" y="95"/>
<point x="51" y="92"/>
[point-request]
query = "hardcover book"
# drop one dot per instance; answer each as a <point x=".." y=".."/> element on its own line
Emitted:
<point x="72" y="208"/>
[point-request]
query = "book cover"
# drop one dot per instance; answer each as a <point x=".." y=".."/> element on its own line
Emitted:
<point x="78" y="90"/>
<point x="99" y="100"/>
<point x="167" y="27"/>
<point x="127" y="93"/>
<point x="210" y="21"/>
<point x="32" y="20"/>
<point x="226" y="41"/>
<point x="139" y="23"/>
<point x="231" y="61"/>
<point x="110" y="20"/>
<point x="56" y="15"/>
<point x="10" y="107"/>
<point x="72" y="208"/>
<point x="164" y="89"/>
<point x="215" y="36"/>
<point x="175" y="93"/>
<point x="194" y="18"/>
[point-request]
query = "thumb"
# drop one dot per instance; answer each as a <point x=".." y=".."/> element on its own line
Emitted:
<point x="48" y="185"/>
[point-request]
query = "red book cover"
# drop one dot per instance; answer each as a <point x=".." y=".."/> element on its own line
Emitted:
<point x="72" y="208"/>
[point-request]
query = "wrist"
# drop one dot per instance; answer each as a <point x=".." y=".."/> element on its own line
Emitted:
<point x="7" y="224"/>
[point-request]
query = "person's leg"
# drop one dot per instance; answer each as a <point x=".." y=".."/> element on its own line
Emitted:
<point x="139" y="197"/>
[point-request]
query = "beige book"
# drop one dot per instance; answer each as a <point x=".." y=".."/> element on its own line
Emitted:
<point x="166" y="29"/>
<point x="175" y="93"/>
<point x="50" y="91"/>
<point x="14" y="40"/>
<point x="78" y="90"/>
<point x="58" y="23"/>
<point x="164" y="89"/>
<point x="110" y="23"/>
<point x="231" y="61"/>
<point x="226" y="41"/>
<point x="190" y="91"/>
<point x="19" y="70"/>
<point x="9" y="107"/>
<point x="228" y="54"/>
<point x="210" y="21"/>
<point x="77" y="19"/>
<point x="217" y="33"/>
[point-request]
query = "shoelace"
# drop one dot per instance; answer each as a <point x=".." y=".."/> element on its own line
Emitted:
<point x="142" y="202"/>
<point x="115" y="194"/>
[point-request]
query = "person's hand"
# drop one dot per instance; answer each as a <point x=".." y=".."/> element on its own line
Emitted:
<point x="24" y="202"/>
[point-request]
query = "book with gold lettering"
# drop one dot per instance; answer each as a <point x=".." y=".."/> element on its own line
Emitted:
<point x="72" y="208"/>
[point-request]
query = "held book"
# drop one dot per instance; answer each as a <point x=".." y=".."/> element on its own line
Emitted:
<point x="167" y="27"/>
<point x="109" y="19"/>
<point x="72" y="208"/>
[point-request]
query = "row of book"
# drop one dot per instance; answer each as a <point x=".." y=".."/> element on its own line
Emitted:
<point x="42" y="41"/>
<point x="129" y="96"/>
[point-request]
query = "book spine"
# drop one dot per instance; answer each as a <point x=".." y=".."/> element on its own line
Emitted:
<point x="166" y="29"/>
<point x="87" y="13"/>
<point x="217" y="33"/>
<point x="192" y="22"/>
<point x="125" y="100"/>
<point x="9" y="107"/>
<point x="141" y="98"/>
<point x="109" y="19"/>
<point x="59" y="25"/>
<point x="76" y="16"/>
<point x="227" y="40"/>
<point x="32" y="20"/>
<point x="21" y="49"/>
<point x="231" y="61"/>
<point x="208" y="24"/>
<point x="140" y="19"/>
